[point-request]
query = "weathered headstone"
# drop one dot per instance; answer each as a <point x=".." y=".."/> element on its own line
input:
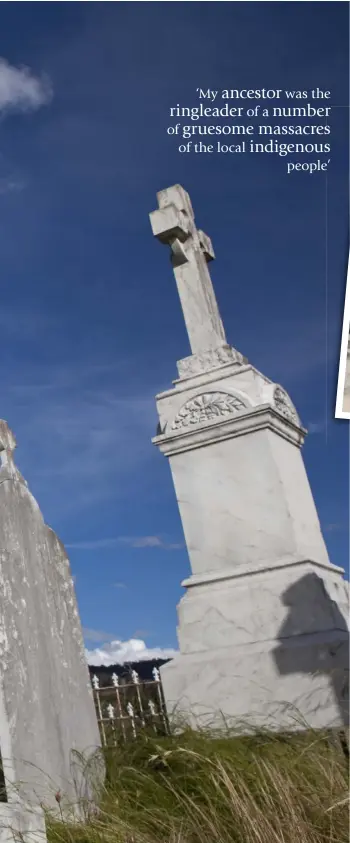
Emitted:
<point x="262" y="626"/>
<point x="46" y="703"/>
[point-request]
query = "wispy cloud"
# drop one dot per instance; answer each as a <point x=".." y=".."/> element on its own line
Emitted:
<point x="11" y="184"/>
<point x="150" y="541"/>
<point x="336" y="527"/>
<point x="21" y="90"/>
<point x="89" y="442"/>
<point x="317" y="427"/>
<point x="98" y="544"/>
<point x="96" y="635"/>
<point x="119" y="652"/>
<point x="131" y="541"/>
<point x="119" y="585"/>
<point x="141" y="633"/>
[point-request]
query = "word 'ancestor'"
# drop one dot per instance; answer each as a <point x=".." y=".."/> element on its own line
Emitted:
<point x="301" y="118"/>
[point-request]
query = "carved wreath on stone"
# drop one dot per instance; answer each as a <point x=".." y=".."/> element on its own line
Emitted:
<point x="284" y="405"/>
<point x="207" y="407"/>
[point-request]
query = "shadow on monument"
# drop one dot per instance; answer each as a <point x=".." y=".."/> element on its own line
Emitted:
<point x="314" y="639"/>
<point x="3" y="791"/>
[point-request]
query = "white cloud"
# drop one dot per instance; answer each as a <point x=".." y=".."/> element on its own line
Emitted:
<point x="20" y="90"/>
<point x="119" y="652"/>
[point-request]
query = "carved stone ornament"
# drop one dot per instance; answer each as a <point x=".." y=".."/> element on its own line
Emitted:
<point x="284" y="405"/>
<point x="214" y="358"/>
<point x="208" y="407"/>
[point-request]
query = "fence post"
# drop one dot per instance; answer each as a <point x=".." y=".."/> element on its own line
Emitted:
<point x="130" y="710"/>
<point x="111" y="713"/>
<point x="153" y="712"/>
<point x="162" y="708"/>
<point x="115" y="682"/>
<point x="96" y="686"/>
<point x="136" y="680"/>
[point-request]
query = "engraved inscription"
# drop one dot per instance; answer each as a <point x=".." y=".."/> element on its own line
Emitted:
<point x="207" y="407"/>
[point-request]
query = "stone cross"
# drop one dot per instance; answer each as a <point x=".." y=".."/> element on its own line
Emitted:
<point x="191" y="249"/>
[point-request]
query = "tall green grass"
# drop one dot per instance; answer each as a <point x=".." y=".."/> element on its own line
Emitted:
<point x="197" y="787"/>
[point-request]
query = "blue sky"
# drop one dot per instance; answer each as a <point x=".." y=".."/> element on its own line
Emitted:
<point x="91" y="326"/>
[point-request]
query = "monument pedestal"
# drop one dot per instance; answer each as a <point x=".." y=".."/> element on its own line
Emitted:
<point x="262" y="627"/>
<point x="265" y="649"/>
<point x="20" y="824"/>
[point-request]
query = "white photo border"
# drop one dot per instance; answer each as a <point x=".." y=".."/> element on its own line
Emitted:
<point x="340" y="411"/>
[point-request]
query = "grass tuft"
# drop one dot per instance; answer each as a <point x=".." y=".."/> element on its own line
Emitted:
<point x="196" y="787"/>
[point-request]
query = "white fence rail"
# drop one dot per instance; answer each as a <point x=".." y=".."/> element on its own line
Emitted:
<point x="125" y="708"/>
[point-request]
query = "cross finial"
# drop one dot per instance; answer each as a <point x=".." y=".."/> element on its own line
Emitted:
<point x="174" y="224"/>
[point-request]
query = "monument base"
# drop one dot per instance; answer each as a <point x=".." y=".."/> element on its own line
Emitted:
<point x="19" y="824"/>
<point x="269" y="649"/>
<point x="261" y="687"/>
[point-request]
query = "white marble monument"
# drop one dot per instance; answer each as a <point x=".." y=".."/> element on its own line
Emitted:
<point x="263" y="624"/>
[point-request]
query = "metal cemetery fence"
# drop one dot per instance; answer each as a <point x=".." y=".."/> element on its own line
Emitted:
<point x="124" y="708"/>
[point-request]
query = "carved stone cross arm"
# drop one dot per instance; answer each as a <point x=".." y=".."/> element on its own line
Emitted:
<point x="174" y="225"/>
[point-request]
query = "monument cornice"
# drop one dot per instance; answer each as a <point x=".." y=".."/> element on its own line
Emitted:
<point x="251" y="421"/>
<point x="228" y="370"/>
<point x="248" y="570"/>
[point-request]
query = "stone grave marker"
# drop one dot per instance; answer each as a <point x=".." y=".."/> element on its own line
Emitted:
<point x="262" y="628"/>
<point x="46" y="703"/>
